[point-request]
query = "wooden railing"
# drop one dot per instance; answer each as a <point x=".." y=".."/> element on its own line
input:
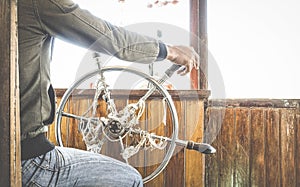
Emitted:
<point x="186" y="168"/>
<point x="257" y="141"/>
<point x="257" y="144"/>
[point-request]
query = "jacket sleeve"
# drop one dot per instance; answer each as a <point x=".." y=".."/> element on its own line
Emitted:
<point x="66" y="20"/>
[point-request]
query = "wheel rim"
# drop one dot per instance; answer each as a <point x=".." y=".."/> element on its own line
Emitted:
<point x="159" y="87"/>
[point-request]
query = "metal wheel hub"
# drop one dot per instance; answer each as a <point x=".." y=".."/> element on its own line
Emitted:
<point x="115" y="128"/>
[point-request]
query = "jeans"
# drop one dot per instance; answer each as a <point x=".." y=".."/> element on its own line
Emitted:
<point x="72" y="167"/>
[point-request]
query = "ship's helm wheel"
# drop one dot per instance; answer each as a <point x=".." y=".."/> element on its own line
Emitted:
<point x="142" y="132"/>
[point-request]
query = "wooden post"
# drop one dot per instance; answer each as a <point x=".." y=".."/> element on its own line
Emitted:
<point x="10" y="156"/>
<point x="198" y="27"/>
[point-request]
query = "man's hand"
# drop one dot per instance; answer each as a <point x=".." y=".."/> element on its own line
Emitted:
<point x="185" y="56"/>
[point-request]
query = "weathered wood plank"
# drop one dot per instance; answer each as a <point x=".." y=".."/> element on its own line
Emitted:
<point x="297" y="147"/>
<point x="76" y="136"/>
<point x="137" y="94"/>
<point x="257" y="148"/>
<point x="72" y="125"/>
<point x="154" y="124"/>
<point x="250" y="103"/>
<point x="288" y="147"/>
<point x="227" y="152"/>
<point x="175" y="169"/>
<point x="194" y="161"/>
<point x="272" y="148"/>
<point x="242" y="154"/>
<point x="213" y="124"/>
<point x="10" y="151"/>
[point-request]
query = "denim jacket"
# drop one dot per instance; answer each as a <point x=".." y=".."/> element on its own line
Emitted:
<point x="39" y="21"/>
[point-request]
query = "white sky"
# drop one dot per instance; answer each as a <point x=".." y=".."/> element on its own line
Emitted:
<point x="255" y="44"/>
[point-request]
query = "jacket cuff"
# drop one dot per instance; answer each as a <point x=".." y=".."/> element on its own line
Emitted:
<point x="162" y="54"/>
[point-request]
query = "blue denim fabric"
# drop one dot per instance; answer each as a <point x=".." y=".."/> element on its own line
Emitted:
<point x="64" y="167"/>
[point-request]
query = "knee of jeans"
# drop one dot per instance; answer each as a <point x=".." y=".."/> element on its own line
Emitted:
<point x="138" y="179"/>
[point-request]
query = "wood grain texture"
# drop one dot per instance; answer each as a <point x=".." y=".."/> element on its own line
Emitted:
<point x="265" y="140"/>
<point x="186" y="168"/>
<point x="257" y="148"/>
<point x="272" y="147"/>
<point x="155" y="125"/>
<point x="287" y="130"/>
<point x="175" y="169"/>
<point x="213" y="124"/>
<point x="194" y="161"/>
<point x="227" y="152"/>
<point x="10" y="150"/>
<point x="242" y="130"/>
<point x="297" y="147"/>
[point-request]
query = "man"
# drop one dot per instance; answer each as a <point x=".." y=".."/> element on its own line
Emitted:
<point x="39" y="22"/>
